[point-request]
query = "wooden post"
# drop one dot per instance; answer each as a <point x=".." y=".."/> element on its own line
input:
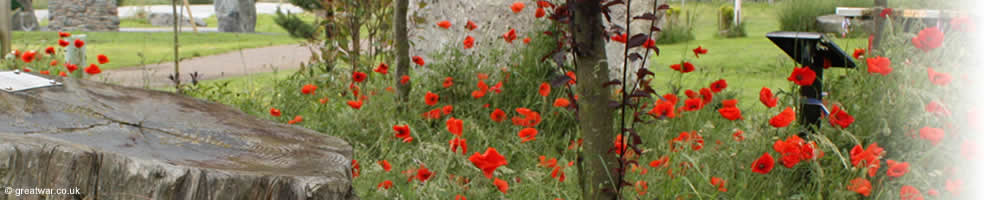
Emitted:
<point x="177" y="63"/>
<point x="879" y="24"/>
<point x="5" y="26"/>
<point x="190" y="16"/>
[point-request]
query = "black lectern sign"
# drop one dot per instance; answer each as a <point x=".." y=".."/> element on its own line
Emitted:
<point x="816" y="52"/>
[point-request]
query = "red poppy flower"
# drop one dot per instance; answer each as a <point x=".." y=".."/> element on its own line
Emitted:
<point x="28" y="56"/>
<point x="92" y="69"/>
<point x="693" y="104"/>
<point x="497" y="88"/>
<point x="544" y="89"/>
<point x="355" y="168"/>
<point x="419" y="60"/>
<point x="650" y="43"/>
<point x="731" y="113"/>
<point x="459" y="197"/>
<point x="52" y="50"/>
<point x="324" y="100"/>
<point x="404" y="80"/>
<point x="62" y="73"/>
<point x="78" y="43"/>
<point x="663" y="108"/>
<point x="621" y="38"/>
<point x="729" y="103"/>
<point x="501" y="185"/>
<point x="478" y="94"/>
<point x="355" y="104"/>
<point x="738" y="135"/>
<point x="764" y="164"/>
<point x="953" y="187"/>
<point x="937" y="78"/>
<point x="71" y="67"/>
<point x="802" y="76"/>
<point x="498" y="115"/>
<point x="423" y="174"/>
<point x="719" y="85"/>
<point x="932" y="134"/>
<point x="706" y="95"/>
<point x="385" y="165"/>
<point x="784" y="118"/>
<point x="861" y="186"/>
<point x="699" y="51"/>
<point x="526" y="40"/>
<point x="44" y="72"/>
<point x="359" y="77"/>
<point x="697" y="142"/>
<point x="64" y="34"/>
<point x="527" y="134"/>
<point x="539" y="12"/>
<point x="768" y="98"/>
<point x="469" y="42"/>
<point x="528" y="118"/>
<point x="662" y="162"/>
<point x="26" y="69"/>
<point x="101" y="58"/>
<point x="430" y="98"/>
<point x="63" y="43"/>
<point x="456" y="143"/>
<point x="683" y="68"/>
<point x="445" y="24"/>
<point x="720" y="183"/>
<point x="572" y="77"/>
<point x="910" y="193"/>
<point x="448" y="82"/>
<point x="275" y="112"/>
<point x="385" y="184"/>
<point x="641" y="187"/>
<point x="309" y="89"/>
<point x="549" y="163"/>
<point x="510" y="36"/>
<point x="885" y="12"/>
<point x="879" y="64"/>
<point x="54" y="63"/>
<point x="382" y="68"/>
<point x="488" y="161"/>
<point x="447" y="109"/>
<point x="870" y="155"/>
<point x="403" y="132"/>
<point x="937" y="109"/>
<point x="928" y="39"/>
<point x="690" y="94"/>
<point x="455" y="126"/>
<point x="561" y="102"/>
<point x="297" y="119"/>
<point x="897" y="169"/>
<point x="858" y="52"/>
<point x="840" y="117"/>
<point x="517" y="7"/>
<point x="470" y="25"/>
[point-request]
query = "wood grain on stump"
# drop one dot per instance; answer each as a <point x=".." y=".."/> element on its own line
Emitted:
<point x="116" y="142"/>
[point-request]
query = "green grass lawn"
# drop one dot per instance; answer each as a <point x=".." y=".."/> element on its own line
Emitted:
<point x="747" y="63"/>
<point x="132" y="49"/>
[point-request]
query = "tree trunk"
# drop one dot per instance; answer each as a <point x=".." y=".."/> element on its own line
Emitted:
<point x="597" y="177"/>
<point x="402" y="45"/>
<point x="329" y="55"/>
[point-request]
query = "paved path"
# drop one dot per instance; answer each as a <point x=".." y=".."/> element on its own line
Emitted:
<point x="257" y="60"/>
<point x="199" y="11"/>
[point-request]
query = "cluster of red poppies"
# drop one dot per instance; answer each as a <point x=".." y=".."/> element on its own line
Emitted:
<point x="30" y="56"/>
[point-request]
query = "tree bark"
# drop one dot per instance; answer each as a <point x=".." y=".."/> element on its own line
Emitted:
<point x="597" y="176"/>
<point x="402" y="45"/>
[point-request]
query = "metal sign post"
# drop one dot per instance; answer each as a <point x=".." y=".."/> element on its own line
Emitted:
<point x="816" y="52"/>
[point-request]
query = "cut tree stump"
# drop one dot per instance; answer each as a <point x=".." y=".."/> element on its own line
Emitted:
<point x="115" y="142"/>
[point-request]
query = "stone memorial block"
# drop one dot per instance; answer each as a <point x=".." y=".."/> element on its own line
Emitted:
<point x="115" y="142"/>
<point x="83" y="15"/>
<point x="236" y="15"/>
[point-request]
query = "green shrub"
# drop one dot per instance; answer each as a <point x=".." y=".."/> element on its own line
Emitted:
<point x="727" y="27"/>
<point x="800" y="15"/>
<point x="676" y="29"/>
